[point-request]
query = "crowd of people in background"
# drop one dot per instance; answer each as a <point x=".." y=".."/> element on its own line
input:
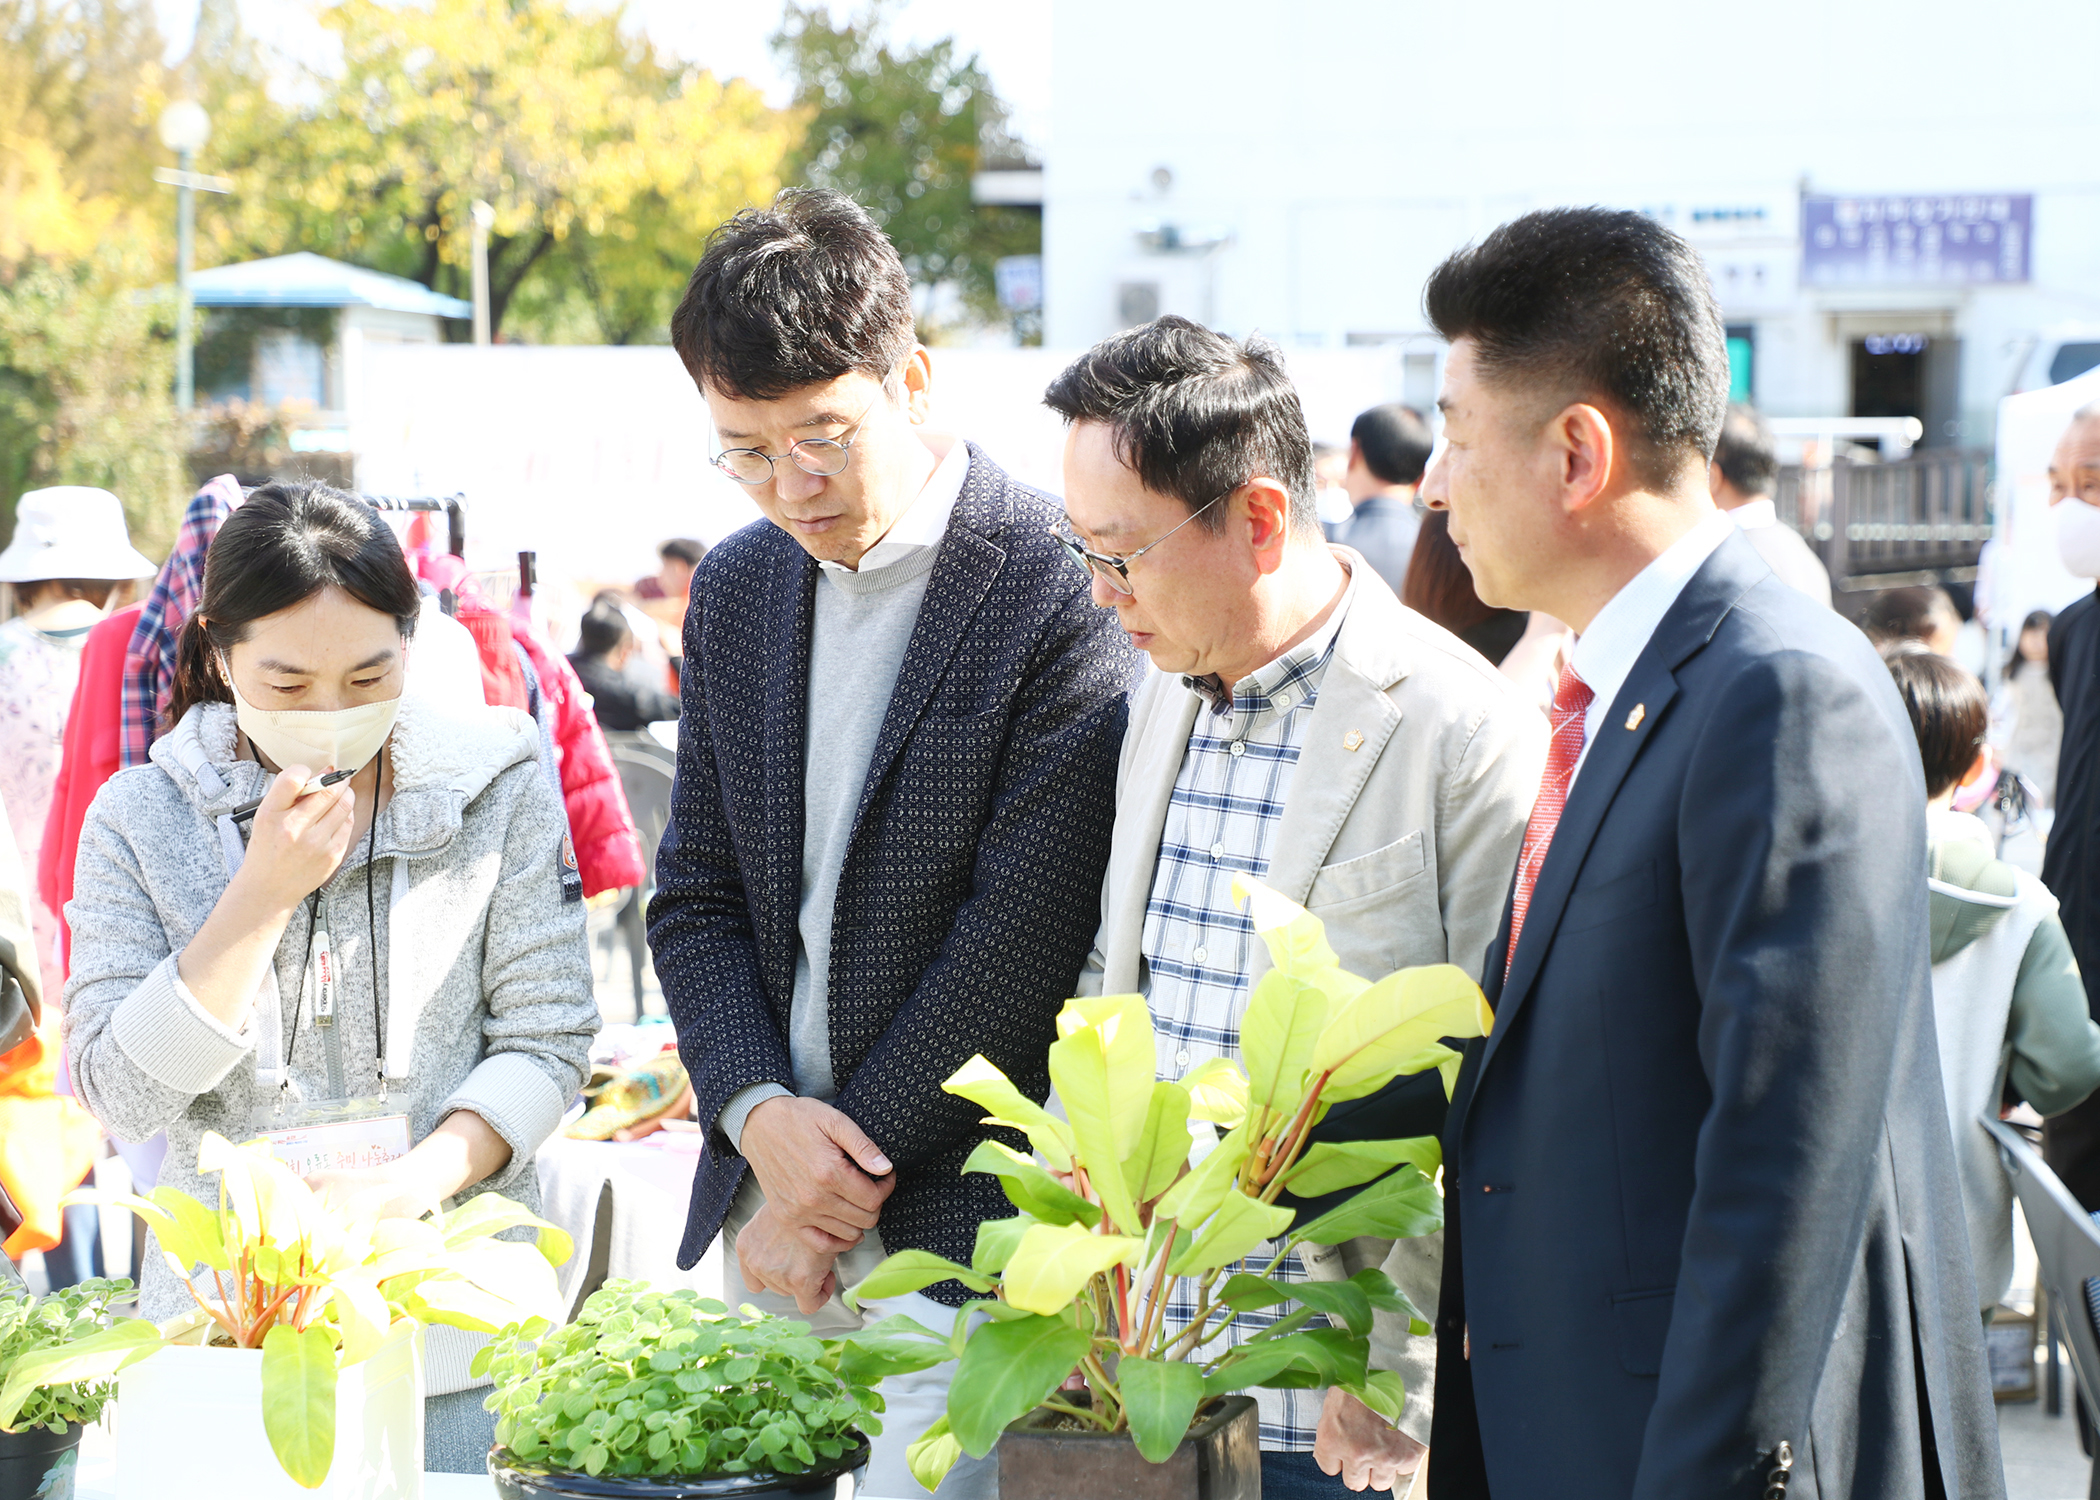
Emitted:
<point x="1774" y="900"/>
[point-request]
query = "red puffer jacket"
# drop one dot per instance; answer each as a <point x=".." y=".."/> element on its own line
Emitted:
<point x="608" y="849"/>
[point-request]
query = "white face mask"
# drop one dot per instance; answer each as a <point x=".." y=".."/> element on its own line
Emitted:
<point x="343" y="739"/>
<point x="2078" y="536"/>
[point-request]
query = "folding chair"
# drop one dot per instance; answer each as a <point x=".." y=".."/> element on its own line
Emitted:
<point x="2067" y="1244"/>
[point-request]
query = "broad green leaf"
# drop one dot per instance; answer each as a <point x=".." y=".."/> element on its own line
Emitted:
<point x="519" y="1274"/>
<point x="1160" y="1397"/>
<point x="911" y="1271"/>
<point x="1385" y="1297"/>
<point x="1310" y="1358"/>
<point x="362" y="1316"/>
<point x="1282" y="1024"/>
<point x="1239" y="1224"/>
<point x="1005" y="1372"/>
<point x="298" y="1401"/>
<point x="1365" y="1046"/>
<point x="932" y="1454"/>
<point x="191" y="1232"/>
<point x="1053" y="1261"/>
<point x="992" y="1307"/>
<point x="1163" y="1149"/>
<point x="1384" y="1392"/>
<point x="1344" y="1300"/>
<point x="236" y="1184"/>
<point x="897" y="1345"/>
<point x="1030" y="1188"/>
<point x="486" y="1215"/>
<point x="1102" y="1071"/>
<point x="1297" y="939"/>
<point x="1398" y="1206"/>
<point x="1333" y="1165"/>
<point x="1197" y="1196"/>
<point x="1217" y="1091"/>
<point x="984" y="1085"/>
<point x="97" y="1357"/>
<point x="996" y="1239"/>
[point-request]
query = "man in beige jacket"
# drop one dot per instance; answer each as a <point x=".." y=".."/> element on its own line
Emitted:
<point x="1302" y="727"/>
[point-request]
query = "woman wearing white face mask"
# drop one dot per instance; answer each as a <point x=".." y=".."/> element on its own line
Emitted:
<point x="338" y="972"/>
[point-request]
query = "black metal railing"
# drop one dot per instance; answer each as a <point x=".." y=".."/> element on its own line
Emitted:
<point x="1928" y="513"/>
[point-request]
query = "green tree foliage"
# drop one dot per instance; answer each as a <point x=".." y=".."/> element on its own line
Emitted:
<point x="606" y="162"/>
<point x="903" y="131"/>
<point x="86" y="369"/>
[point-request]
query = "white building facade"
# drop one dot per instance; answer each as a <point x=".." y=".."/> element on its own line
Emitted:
<point x="1895" y="202"/>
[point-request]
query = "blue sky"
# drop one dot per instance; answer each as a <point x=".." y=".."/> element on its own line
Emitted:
<point x="729" y="36"/>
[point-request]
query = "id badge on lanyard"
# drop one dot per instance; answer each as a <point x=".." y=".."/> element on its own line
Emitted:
<point x="337" y="1135"/>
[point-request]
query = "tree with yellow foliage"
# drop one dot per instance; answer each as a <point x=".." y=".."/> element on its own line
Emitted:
<point x="607" y="163"/>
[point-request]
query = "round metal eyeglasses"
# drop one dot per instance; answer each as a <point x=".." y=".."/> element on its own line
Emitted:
<point x="1114" y="570"/>
<point x="822" y="457"/>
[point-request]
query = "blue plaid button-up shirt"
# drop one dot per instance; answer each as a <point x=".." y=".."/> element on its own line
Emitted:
<point x="1199" y="947"/>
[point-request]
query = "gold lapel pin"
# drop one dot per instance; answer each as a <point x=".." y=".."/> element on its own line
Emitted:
<point x="1353" y="740"/>
<point x="1640" y="712"/>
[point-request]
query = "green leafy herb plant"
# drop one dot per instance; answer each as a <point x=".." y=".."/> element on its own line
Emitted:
<point x="1112" y="1210"/>
<point x="663" y="1384"/>
<point x="55" y="1354"/>
<point x="317" y="1288"/>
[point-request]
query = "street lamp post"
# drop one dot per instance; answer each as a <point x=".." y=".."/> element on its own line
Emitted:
<point x="184" y="128"/>
<point x="484" y="219"/>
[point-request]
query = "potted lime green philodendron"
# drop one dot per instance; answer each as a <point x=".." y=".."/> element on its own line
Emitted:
<point x="302" y="1349"/>
<point x="57" y="1353"/>
<point x="650" y="1393"/>
<point x="1117" y="1203"/>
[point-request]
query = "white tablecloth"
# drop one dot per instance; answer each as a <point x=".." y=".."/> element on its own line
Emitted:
<point x="652" y="1183"/>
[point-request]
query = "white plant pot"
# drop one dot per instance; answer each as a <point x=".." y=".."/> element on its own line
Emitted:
<point x="189" y="1427"/>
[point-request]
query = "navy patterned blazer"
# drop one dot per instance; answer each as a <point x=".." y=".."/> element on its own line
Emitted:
<point x="972" y="881"/>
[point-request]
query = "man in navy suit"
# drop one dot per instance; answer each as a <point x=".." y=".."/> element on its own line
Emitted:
<point x="1704" y="1236"/>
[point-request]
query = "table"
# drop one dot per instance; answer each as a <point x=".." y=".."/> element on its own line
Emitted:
<point x="96" y="1479"/>
<point x="651" y="1184"/>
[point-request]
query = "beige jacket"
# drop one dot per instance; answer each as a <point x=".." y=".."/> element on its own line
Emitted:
<point x="1400" y="832"/>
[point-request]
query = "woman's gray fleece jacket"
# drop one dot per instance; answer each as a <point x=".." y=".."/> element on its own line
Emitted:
<point x="486" y="1004"/>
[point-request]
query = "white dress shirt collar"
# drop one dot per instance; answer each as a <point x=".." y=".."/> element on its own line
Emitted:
<point x="1605" y="653"/>
<point x="1753" y="514"/>
<point x="925" y="520"/>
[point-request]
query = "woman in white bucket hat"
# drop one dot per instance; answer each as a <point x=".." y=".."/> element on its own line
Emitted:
<point x="70" y="552"/>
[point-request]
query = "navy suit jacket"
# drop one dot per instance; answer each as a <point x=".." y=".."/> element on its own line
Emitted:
<point x="1699" y="1189"/>
<point x="972" y="879"/>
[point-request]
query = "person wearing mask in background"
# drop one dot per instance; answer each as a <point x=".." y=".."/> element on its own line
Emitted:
<point x="896" y="778"/>
<point x="70" y="553"/>
<point x="1921" y="612"/>
<point x="1388" y="449"/>
<point x="1331" y="487"/>
<point x="605" y="646"/>
<point x="2007" y="1001"/>
<point x="2036" y="731"/>
<point x="1744" y="466"/>
<point x="2071" y="863"/>
<point x="1703" y="1229"/>
<point x="436" y="886"/>
<point x="1305" y="729"/>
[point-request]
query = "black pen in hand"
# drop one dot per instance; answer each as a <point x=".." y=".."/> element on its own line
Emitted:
<point x="248" y="810"/>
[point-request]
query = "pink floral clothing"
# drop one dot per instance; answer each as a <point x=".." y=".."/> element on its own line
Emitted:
<point x="37" y="675"/>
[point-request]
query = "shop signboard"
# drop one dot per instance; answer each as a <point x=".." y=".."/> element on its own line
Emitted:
<point x="1975" y="239"/>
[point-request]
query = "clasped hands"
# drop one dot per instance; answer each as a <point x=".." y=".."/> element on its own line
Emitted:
<point x="824" y="1183"/>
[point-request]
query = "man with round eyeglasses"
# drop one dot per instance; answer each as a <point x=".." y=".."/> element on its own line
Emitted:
<point x="896" y="774"/>
<point x="1303" y="728"/>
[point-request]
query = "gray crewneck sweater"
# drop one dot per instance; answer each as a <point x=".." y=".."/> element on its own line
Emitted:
<point x="862" y="625"/>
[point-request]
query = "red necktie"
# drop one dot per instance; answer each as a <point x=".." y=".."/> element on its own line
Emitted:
<point x="1571" y="700"/>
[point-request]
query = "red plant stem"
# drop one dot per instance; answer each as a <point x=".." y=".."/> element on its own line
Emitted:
<point x="266" y="1318"/>
<point x="1123" y="1329"/>
<point x="1300" y="1127"/>
<point x="211" y="1312"/>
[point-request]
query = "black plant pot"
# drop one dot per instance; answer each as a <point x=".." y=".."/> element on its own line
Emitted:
<point x="1220" y="1459"/>
<point x="39" y="1464"/>
<point x="518" y="1480"/>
